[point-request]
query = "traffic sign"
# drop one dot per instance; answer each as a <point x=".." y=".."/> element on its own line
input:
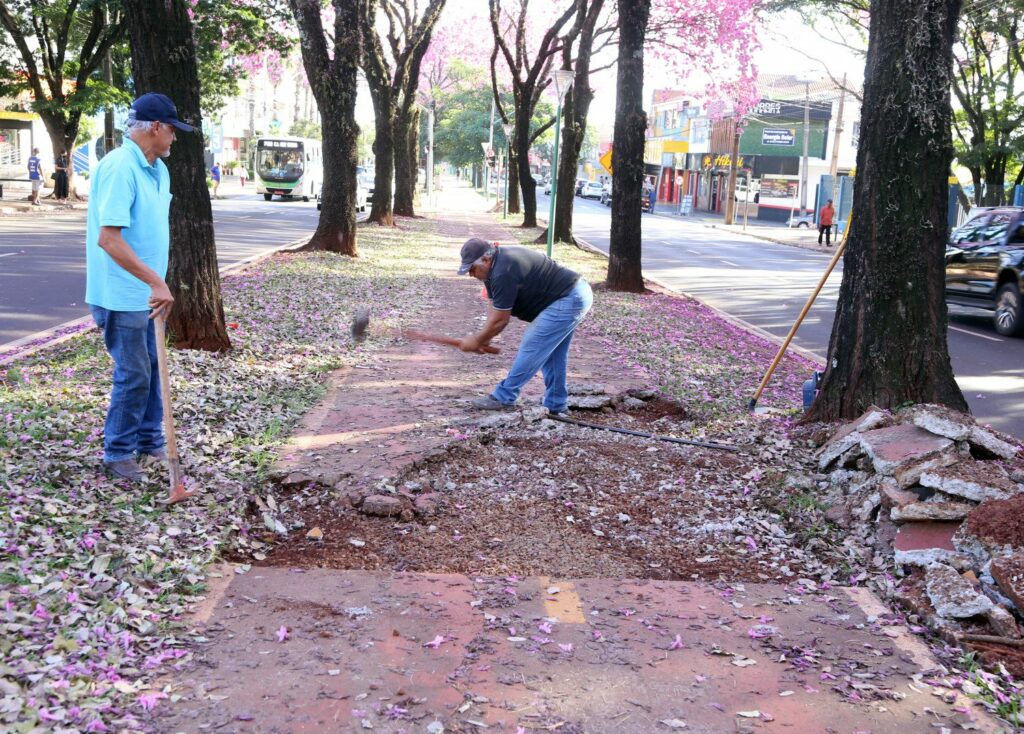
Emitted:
<point x="606" y="161"/>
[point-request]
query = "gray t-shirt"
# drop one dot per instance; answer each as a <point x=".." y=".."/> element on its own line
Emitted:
<point x="526" y="282"/>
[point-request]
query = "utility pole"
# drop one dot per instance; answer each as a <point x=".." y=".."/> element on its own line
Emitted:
<point x="834" y="168"/>
<point x="490" y="147"/>
<point x="807" y="143"/>
<point x="730" y="199"/>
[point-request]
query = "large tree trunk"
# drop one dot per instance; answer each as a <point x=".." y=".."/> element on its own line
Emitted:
<point x="526" y="183"/>
<point x="513" y="183"/>
<point x="888" y="344"/>
<point x="624" y="269"/>
<point x="405" y="165"/>
<point x="574" y="119"/>
<point x="164" y="61"/>
<point x="332" y="79"/>
<point x="383" y="158"/>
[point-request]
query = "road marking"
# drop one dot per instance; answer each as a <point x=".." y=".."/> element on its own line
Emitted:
<point x="974" y="333"/>
<point x="729" y="262"/>
<point x="695" y="252"/>
<point x="8" y="254"/>
<point x="565" y="606"/>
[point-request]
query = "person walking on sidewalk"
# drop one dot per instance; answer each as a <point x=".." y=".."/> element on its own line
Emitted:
<point x="524" y="283"/>
<point x="35" y="175"/>
<point x="127" y="244"/>
<point x="215" y="175"/>
<point x="825" y="217"/>
<point x="242" y="175"/>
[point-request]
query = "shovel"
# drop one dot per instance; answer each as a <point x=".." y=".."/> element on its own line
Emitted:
<point x="177" y="490"/>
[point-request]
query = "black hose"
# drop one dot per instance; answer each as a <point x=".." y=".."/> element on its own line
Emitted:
<point x="643" y="434"/>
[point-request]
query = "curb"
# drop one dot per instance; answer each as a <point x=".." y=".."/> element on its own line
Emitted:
<point x="61" y="333"/>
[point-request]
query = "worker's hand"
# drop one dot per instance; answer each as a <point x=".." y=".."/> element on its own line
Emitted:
<point x="471" y="344"/>
<point x="160" y="300"/>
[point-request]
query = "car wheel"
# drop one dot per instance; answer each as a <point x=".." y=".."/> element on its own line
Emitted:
<point x="1008" y="319"/>
<point x="803" y="225"/>
<point x="305" y="198"/>
<point x="268" y="197"/>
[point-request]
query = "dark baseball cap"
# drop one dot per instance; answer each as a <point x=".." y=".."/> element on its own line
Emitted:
<point x="473" y="250"/>
<point x="154" y="107"/>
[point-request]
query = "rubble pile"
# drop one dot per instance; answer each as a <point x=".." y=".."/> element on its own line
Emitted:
<point x="935" y="488"/>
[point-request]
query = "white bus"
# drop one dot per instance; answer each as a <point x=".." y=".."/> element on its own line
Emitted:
<point x="289" y="167"/>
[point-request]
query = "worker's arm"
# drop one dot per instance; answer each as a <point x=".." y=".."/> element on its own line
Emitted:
<point x="112" y="243"/>
<point x="497" y="320"/>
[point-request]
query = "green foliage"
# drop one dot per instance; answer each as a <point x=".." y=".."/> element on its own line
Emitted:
<point x="463" y="116"/>
<point x="306" y="129"/>
<point x="87" y="130"/>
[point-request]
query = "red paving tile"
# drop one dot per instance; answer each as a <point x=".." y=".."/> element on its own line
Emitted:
<point x="924" y="535"/>
<point x="823" y="668"/>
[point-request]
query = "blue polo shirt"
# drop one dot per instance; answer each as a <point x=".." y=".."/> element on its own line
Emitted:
<point x="128" y="192"/>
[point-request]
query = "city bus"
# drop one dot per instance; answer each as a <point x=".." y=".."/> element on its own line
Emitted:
<point x="289" y="167"/>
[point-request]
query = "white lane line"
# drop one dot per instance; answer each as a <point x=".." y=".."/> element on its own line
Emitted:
<point x="8" y="254"/>
<point x="695" y="252"/>
<point x="729" y="262"/>
<point x="974" y="333"/>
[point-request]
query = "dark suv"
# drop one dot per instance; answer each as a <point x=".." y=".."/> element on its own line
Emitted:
<point x="984" y="262"/>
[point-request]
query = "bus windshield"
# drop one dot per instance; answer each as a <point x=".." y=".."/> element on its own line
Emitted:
<point x="279" y="160"/>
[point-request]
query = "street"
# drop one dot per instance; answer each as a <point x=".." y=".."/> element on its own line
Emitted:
<point x="767" y="284"/>
<point x="42" y="261"/>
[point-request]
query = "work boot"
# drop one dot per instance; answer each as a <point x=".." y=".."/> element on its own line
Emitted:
<point x="153" y="457"/>
<point x="125" y="469"/>
<point x="489" y="403"/>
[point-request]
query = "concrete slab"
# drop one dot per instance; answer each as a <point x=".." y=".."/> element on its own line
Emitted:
<point x="398" y="652"/>
<point x="898" y="446"/>
<point x="922" y="543"/>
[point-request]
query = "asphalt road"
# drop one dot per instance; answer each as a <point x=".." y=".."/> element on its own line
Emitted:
<point x="767" y="284"/>
<point x="42" y="260"/>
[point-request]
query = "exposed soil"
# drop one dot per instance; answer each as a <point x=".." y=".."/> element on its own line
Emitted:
<point x="559" y="500"/>
<point x="999" y="522"/>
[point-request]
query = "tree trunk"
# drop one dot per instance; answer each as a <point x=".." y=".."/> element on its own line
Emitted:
<point x="526" y="183"/>
<point x="332" y="79"/>
<point x="624" y="269"/>
<point x="574" y="119"/>
<point x="888" y="344"/>
<point x="513" y="183"/>
<point x="383" y="158"/>
<point x="164" y="60"/>
<point x="405" y="166"/>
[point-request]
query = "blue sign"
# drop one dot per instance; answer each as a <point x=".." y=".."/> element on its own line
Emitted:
<point x="778" y="136"/>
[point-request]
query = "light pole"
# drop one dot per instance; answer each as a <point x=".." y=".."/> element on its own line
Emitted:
<point x="507" y="129"/>
<point x="562" y="79"/>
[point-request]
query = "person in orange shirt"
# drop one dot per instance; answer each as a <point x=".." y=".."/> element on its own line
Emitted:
<point x="825" y="217"/>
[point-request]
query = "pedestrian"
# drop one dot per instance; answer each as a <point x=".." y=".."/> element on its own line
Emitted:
<point x="215" y="175"/>
<point x="825" y="217"/>
<point x="60" y="178"/>
<point x="35" y="175"/>
<point x="127" y="244"/>
<point x="242" y="175"/>
<point x="554" y="300"/>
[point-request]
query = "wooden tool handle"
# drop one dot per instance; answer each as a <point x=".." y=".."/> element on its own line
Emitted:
<point x="448" y="341"/>
<point x="165" y="393"/>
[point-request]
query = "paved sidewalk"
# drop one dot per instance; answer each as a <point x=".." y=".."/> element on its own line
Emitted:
<point x="288" y="650"/>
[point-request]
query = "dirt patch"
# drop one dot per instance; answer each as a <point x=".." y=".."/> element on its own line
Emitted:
<point x="558" y="500"/>
<point x="999" y="522"/>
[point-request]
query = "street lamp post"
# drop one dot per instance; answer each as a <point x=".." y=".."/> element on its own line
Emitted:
<point x="507" y="129"/>
<point x="562" y="79"/>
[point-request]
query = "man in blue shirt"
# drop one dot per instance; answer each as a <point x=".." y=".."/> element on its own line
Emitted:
<point x="35" y="175"/>
<point x="127" y="245"/>
<point x="215" y="177"/>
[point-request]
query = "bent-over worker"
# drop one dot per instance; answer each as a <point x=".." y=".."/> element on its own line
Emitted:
<point x="524" y="283"/>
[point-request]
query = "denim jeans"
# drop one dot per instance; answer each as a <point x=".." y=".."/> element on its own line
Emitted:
<point x="545" y="347"/>
<point x="135" y="414"/>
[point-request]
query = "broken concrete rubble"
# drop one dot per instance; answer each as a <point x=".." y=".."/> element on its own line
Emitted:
<point x="952" y="595"/>
<point x="945" y="422"/>
<point x="848" y="436"/>
<point x="974" y="480"/>
<point x="899" y="446"/>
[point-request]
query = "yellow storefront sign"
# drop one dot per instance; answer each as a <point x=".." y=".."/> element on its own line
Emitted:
<point x="24" y="116"/>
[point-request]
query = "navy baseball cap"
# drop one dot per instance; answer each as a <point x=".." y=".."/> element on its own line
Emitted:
<point x="154" y="107"/>
<point x="472" y="251"/>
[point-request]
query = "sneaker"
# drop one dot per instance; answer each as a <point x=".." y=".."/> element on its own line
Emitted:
<point x="126" y="469"/>
<point x="489" y="403"/>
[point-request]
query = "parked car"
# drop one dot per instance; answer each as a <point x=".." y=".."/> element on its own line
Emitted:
<point x="984" y="266"/>
<point x="362" y="193"/>
<point x="606" y="193"/>
<point x="592" y="190"/>
<point x="802" y="221"/>
<point x="580" y="183"/>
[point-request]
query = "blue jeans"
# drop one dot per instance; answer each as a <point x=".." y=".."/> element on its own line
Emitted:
<point x="545" y="347"/>
<point x="135" y="414"/>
